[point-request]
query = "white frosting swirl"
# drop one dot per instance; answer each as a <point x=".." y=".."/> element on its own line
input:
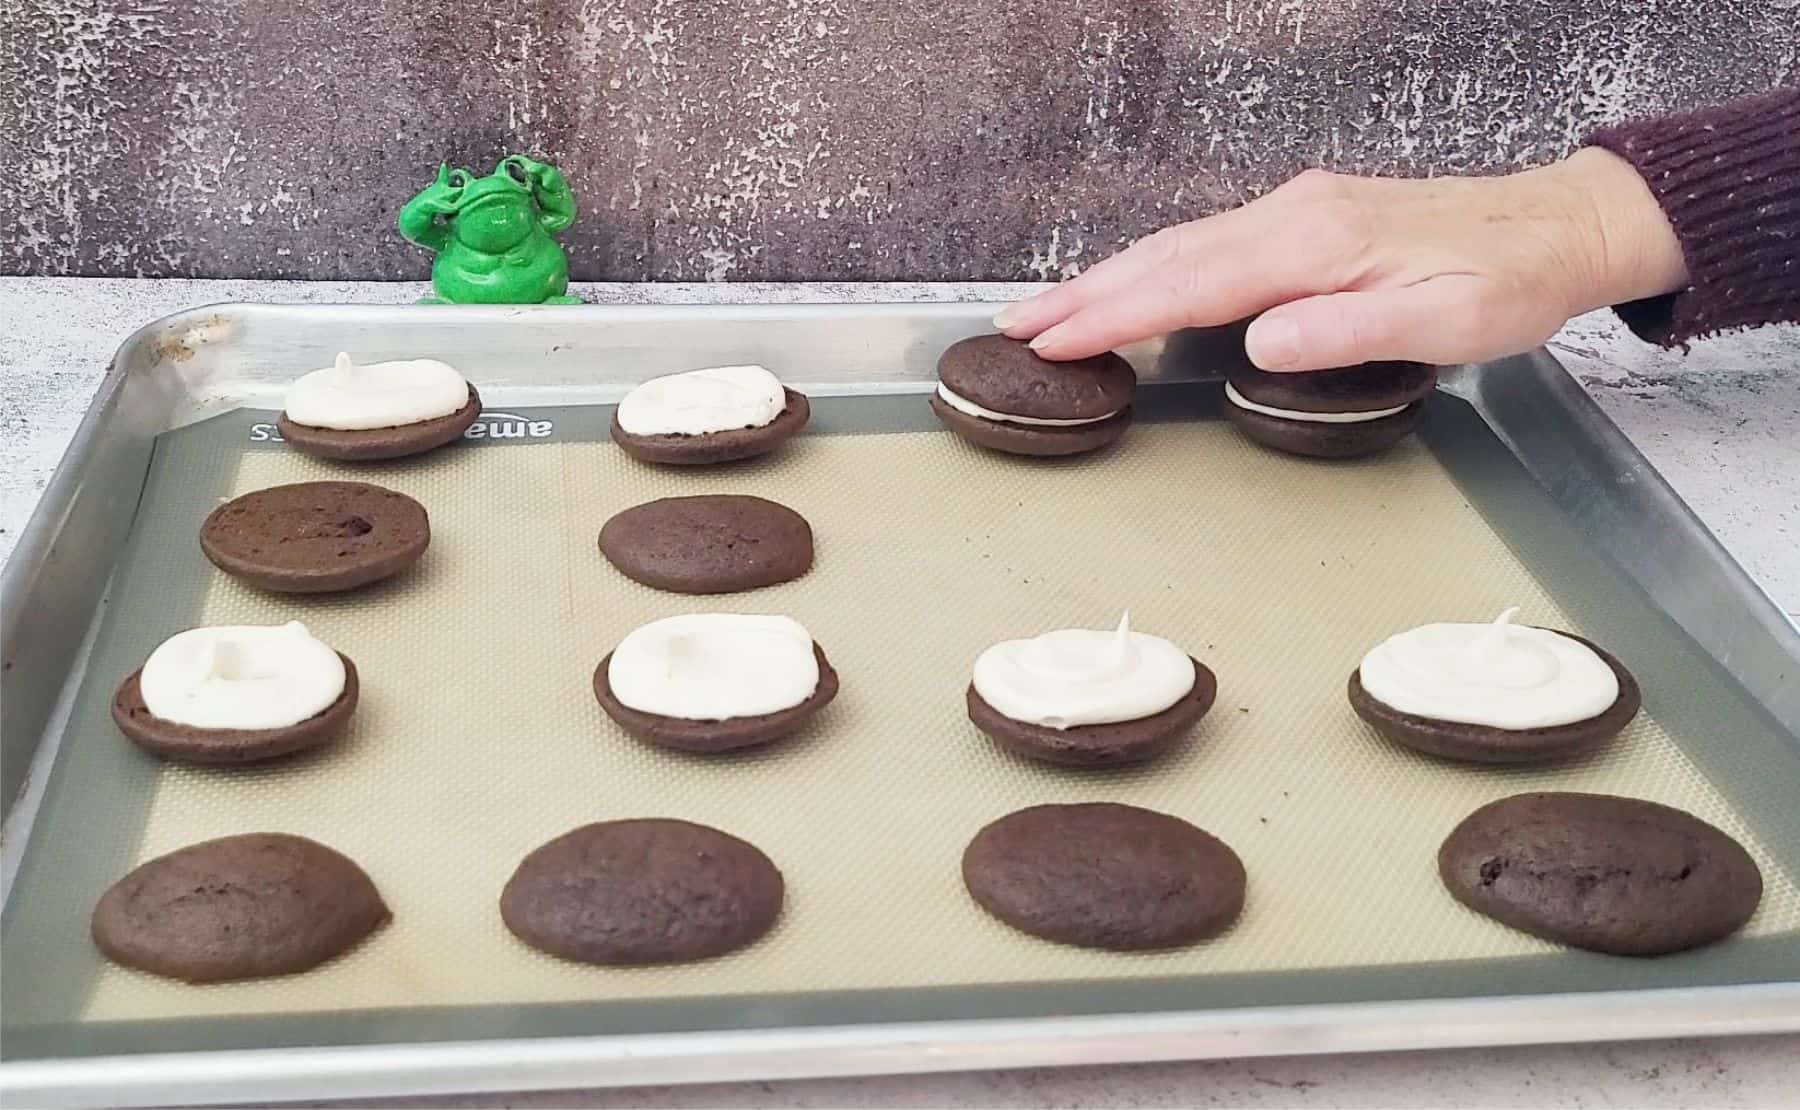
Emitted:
<point x="962" y="404"/>
<point x="714" y="666"/>
<point x="1243" y="402"/>
<point x="1076" y="676"/>
<point x="354" y="398"/>
<point x="242" y="676"/>
<point x="1500" y="674"/>
<point x="720" y="399"/>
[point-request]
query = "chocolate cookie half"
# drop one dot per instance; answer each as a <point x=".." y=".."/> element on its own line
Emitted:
<point x="369" y="444"/>
<point x="1101" y="875"/>
<point x="316" y="537"/>
<point x="715" y="736"/>
<point x="709" y="544"/>
<point x="1099" y="745"/>
<point x="1488" y="744"/>
<point x="240" y="907"/>
<point x="996" y="392"/>
<point x="1341" y="413"/>
<point x="717" y="447"/>
<point x="188" y="744"/>
<point x="1609" y="874"/>
<point x="642" y="892"/>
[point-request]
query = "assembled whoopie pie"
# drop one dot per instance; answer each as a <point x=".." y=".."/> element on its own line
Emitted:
<point x="1089" y="698"/>
<point x="713" y="682"/>
<point x="715" y="415"/>
<point x="1493" y="693"/>
<point x="1331" y="414"/>
<point x="996" y="392"/>
<point x="383" y="410"/>
<point x="237" y="694"/>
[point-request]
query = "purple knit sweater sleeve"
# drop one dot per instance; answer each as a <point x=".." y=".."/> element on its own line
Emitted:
<point x="1729" y="180"/>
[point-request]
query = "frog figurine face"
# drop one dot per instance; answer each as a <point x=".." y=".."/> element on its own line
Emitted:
<point x="492" y="234"/>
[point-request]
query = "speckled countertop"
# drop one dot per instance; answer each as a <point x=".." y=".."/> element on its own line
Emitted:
<point x="1722" y="424"/>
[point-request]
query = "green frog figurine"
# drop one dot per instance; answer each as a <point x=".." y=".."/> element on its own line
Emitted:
<point x="492" y="234"/>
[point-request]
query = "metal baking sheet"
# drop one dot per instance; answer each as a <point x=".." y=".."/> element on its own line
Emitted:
<point x="478" y="737"/>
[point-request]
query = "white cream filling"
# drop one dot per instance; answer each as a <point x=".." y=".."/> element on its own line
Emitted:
<point x="1077" y="676"/>
<point x="699" y="402"/>
<point x="242" y="676"/>
<point x="964" y="405"/>
<point x="714" y="666"/>
<point x="353" y="398"/>
<point x="1500" y="675"/>
<point x="1243" y="402"/>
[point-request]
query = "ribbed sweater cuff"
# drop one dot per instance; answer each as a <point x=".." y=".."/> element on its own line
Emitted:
<point x="1728" y="178"/>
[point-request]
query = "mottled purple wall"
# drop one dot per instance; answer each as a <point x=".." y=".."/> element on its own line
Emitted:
<point x="765" y="139"/>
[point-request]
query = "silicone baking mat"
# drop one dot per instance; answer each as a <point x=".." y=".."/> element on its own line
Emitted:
<point x="478" y="737"/>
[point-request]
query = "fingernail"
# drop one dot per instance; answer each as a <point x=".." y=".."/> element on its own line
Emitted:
<point x="1276" y="343"/>
<point x="1006" y="317"/>
<point x="1042" y="339"/>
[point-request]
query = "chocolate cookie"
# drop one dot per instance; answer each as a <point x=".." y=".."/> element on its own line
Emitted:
<point x="1370" y="387"/>
<point x="1615" y="875"/>
<point x="1099" y="745"/>
<point x="1005" y="378"/>
<point x="717" y="447"/>
<point x="1101" y="875"/>
<point x="1487" y="744"/>
<point x="316" y="537"/>
<point x="367" y="444"/>
<point x="188" y="744"/>
<point x="240" y="907"/>
<point x="715" y="736"/>
<point x="709" y="544"/>
<point x="642" y="892"/>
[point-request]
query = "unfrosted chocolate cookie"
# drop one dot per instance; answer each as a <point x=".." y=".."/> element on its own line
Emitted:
<point x="709" y="544"/>
<point x="240" y="907"/>
<point x="368" y="444"/>
<point x="717" y="447"/>
<point x="1615" y="875"/>
<point x="1322" y="395"/>
<point x="316" y="537"/>
<point x="1099" y="745"/>
<point x="1487" y="744"/>
<point x="1101" y="875"/>
<point x="715" y="736"/>
<point x="642" y="892"/>
<point x="188" y="744"/>
<point x="1087" y="401"/>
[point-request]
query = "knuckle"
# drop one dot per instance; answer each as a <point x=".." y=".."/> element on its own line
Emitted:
<point x="1316" y="188"/>
<point x="1169" y="243"/>
<point x="1333" y="217"/>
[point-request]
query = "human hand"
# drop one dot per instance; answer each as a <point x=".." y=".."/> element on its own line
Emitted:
<point x="1345" y="270"/>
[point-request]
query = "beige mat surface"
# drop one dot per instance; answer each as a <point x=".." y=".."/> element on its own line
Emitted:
<point x="478" y="737"/>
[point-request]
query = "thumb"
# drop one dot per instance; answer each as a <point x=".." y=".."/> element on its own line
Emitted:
<point x="1416" y="322"/>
